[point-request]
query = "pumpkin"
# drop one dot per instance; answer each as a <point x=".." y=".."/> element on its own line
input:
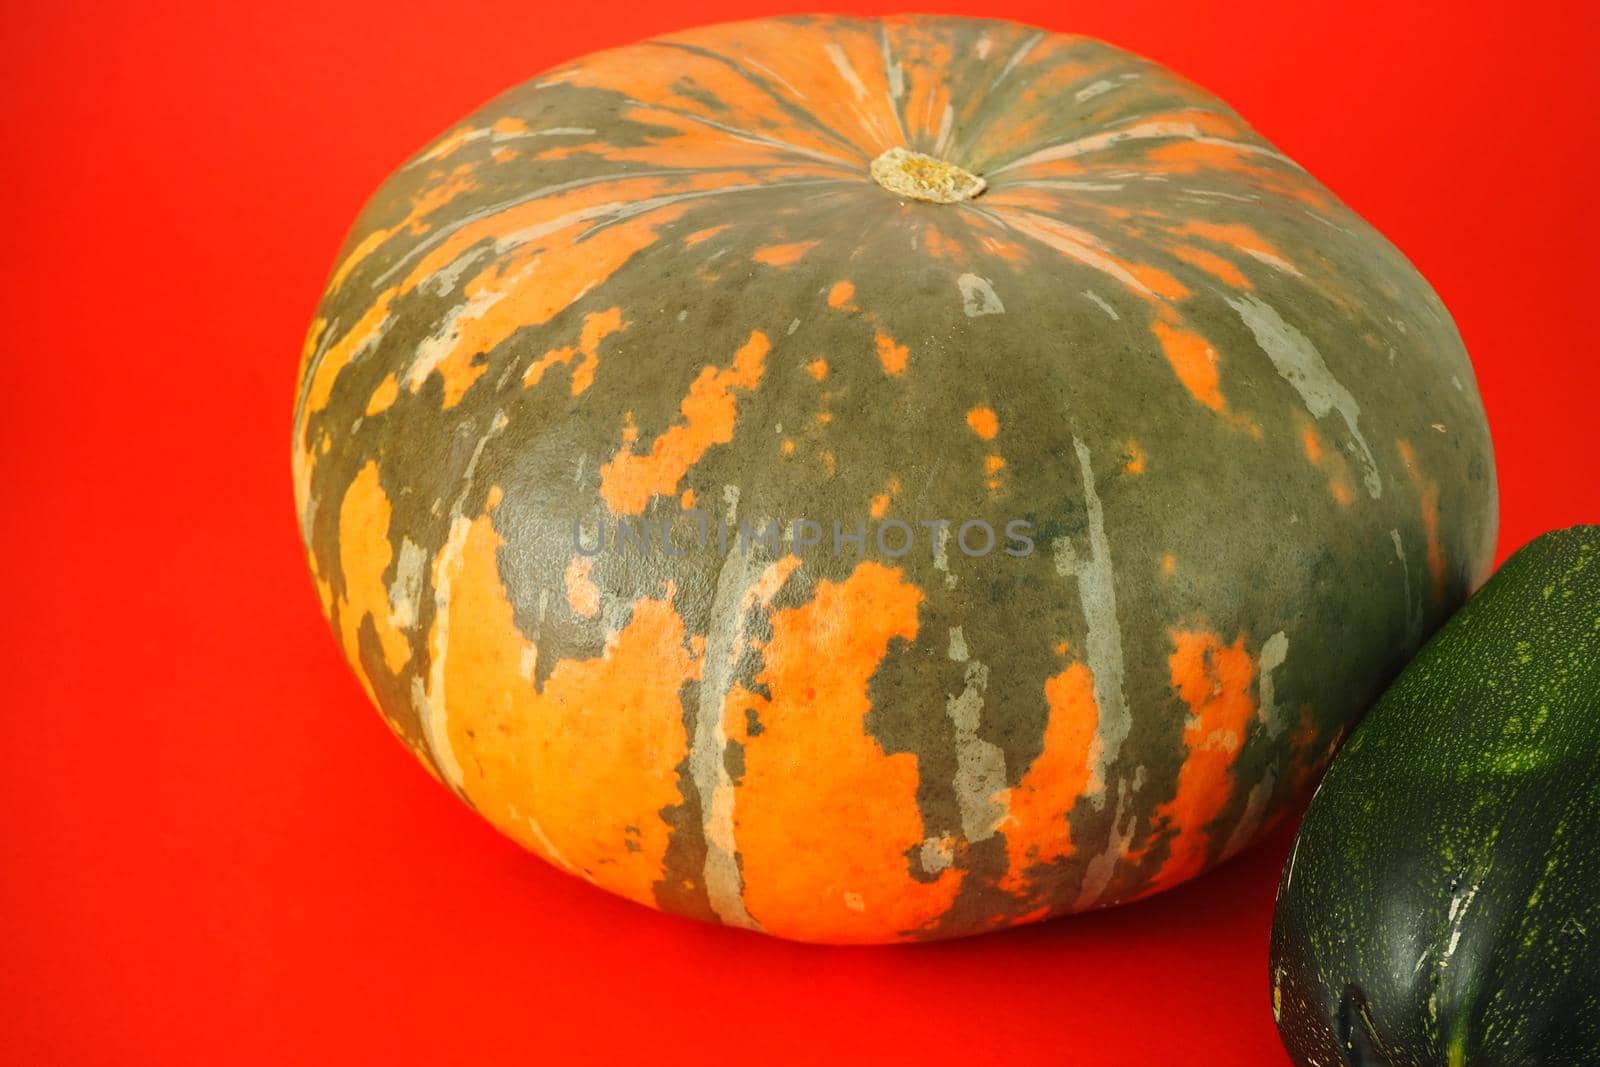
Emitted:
<point x="868" y="480"/>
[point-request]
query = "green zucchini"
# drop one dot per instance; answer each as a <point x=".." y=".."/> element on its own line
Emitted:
<point x="1441" y="904"/>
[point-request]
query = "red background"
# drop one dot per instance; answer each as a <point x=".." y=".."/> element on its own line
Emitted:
<point x="211" y="850"/>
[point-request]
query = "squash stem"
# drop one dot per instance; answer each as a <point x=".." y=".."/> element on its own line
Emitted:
<point x="919" y="176"/>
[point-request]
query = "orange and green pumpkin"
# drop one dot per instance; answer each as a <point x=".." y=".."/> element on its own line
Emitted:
<point x="824" y="299"/>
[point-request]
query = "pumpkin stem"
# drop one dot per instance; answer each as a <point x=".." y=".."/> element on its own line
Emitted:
<point x="922" y="177"/>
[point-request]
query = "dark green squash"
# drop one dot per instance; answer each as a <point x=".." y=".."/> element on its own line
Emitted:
<point x="1442" y="902"/>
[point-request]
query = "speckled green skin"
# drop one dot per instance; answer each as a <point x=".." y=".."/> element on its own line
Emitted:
<point x="1442" y="904"/>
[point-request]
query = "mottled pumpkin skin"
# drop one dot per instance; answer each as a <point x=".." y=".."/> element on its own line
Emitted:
<point x="1242" y="429"/>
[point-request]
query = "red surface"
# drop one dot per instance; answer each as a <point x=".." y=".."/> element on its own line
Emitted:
<point x="213" y="853"/>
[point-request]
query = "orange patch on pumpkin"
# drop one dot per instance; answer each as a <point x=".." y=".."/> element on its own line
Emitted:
<point x="1035" y="825"/>
<point x="818" y="369"/>
<point x="540" y="276"/>
<point x="528" y="287"/>
<point x="984" y="422"/>
<point x="366" y="331"/>
<point x="561" y="218"/>
<point x="1213" y="265"/>
<point x="783" y="255"/>
<point x="1241" y="237"/>
<point x="993" y="464"/>
<point x="566" y="151"/>
<point x="842" y="296"/>
<point x="1193" y="360"/>
<point x="1189" y="157"/>
<point x="1428" y="490"/>
<point x="1312" y="443"/>
<point x="1158" y="281"/>
<point x="629" y="480"/>
<point x="1136" y="459"/>
<point x="706" y="234"/>
<point x="1329" y="460"/>
<point x="938" y="245"/>
<point x="881" y="502"/>
<point x="1038" y="200"/>
<point x="581" y="769"/>
<point x="1235" y="235"/>
<point x="364" y="555"/>
<point x="597" y="326"/>
<point x="387" y="393"/>
<point x="1215" y="681"/>
<point x="824" y="818"/>
<point x="1010" y="251"/>
<point x="893" y="356"/>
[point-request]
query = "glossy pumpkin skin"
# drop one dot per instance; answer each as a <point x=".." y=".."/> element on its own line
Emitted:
<point x="1242" y="432"/>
